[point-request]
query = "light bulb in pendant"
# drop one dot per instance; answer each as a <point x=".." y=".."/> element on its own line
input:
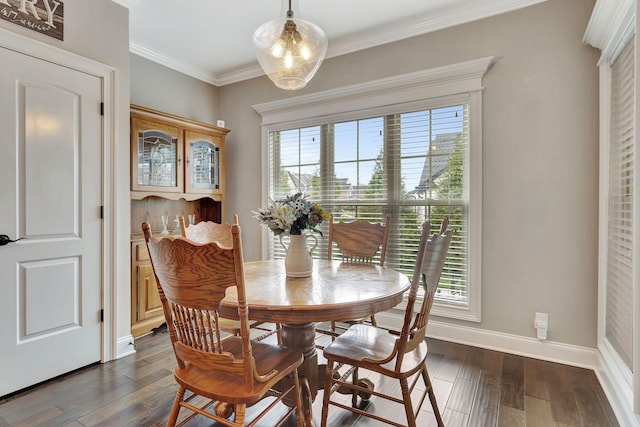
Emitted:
<point x="305" y="52"/>
<point x="288" y="59"/>
<point x="278" y="49"/>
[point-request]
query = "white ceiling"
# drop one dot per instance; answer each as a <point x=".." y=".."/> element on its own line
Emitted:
<point x="211" y="39"/>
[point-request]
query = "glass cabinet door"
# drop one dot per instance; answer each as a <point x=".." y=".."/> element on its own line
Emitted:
<point x="156" y="161"/>
<point x="204" y="155"/>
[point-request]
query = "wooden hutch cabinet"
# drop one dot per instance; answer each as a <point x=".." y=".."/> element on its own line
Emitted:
<point x="177" y="168"/>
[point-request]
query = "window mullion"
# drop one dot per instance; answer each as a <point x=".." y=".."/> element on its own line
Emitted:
<point x="276" y="163"/>
<point x="326" y="160"/>
<point x="392" y="175"/>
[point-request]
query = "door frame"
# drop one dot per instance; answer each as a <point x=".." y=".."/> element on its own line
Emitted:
<point x="107" y="74"/>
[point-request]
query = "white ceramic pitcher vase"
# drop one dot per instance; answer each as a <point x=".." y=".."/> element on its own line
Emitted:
<point x="298" y="261"/>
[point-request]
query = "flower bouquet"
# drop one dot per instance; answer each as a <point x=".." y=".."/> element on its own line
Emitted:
<point x="292" y="215"/>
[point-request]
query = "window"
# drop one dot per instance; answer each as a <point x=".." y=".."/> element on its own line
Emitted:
<point x="416" y="160"/>
<point x="411" y="165"/>
<point x="620" y="256"/>
<point x="612" y="29"/>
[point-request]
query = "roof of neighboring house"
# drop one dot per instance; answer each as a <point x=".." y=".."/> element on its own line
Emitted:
<point x="441" y="147"/>
<point x="301" y="181"/>
<point x="343" y="183"/>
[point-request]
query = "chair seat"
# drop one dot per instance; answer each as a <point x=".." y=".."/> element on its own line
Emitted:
<point x="232" y="327"/>
<point x="361" y="342"/>
<point x="229" y="387"/>
<point x="229" y="325"/>
<point x="362" y="320"/>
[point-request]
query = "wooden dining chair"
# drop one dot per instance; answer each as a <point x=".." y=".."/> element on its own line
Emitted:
<point x="207" y="232"/>
<point x="358" y="242"/>
<point x="231" y="372"/>
<point x="398" y="355"/>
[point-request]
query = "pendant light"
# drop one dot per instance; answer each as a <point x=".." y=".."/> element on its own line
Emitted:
<point x="290" y="50"/>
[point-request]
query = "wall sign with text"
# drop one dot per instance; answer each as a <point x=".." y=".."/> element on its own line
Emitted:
<point x="43" y="16"/>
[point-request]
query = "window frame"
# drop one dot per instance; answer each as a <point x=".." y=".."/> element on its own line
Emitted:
<point x="406" y="92"/>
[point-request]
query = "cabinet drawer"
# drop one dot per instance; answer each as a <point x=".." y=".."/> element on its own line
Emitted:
<point x="142" y="254"/>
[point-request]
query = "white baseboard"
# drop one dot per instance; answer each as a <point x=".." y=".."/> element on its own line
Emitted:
<point x="551" y="351"/>
<point x="567" y="354"/>
<point x="125" y="346"/>
<point x="615" y="382"/>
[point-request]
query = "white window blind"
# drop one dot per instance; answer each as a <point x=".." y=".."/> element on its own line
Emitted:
<point x="408" y="117"/>
<point x="620" y="256"/>
<point x="410" y="164"/>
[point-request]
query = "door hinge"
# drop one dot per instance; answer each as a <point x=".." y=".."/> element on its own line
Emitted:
<point x="101" y="212"/>
<point x="102" y="315"/>
<point x="102" y="108"/>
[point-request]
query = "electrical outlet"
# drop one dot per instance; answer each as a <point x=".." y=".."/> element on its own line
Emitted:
<point x="541" y="320"/>
<point x="541" y="324"/>
<point x="220" y="123"/>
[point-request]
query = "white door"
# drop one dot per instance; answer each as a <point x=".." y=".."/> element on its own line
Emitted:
<point x="50" y="195"/>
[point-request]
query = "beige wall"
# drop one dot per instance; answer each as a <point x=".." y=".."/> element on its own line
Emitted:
<point x="540" y="157"/>
<point x="99" y="30"/>
<point x="163" y="89"/>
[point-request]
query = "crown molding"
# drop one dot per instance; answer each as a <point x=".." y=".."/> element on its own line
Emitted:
<point x="240" y="74"/>
<point x="173" y="63"/>
<point x="612" y="23"/>
<point x="447" y="17"/>
<point x="129" y="4"/>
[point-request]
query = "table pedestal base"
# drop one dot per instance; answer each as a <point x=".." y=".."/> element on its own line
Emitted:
<point x="301" y="337"/>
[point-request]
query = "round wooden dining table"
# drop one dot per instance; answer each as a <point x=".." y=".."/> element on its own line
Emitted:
<point x="336" y="290"/>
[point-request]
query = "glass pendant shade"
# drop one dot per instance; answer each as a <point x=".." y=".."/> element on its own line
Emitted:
<point x="290" y="51"/>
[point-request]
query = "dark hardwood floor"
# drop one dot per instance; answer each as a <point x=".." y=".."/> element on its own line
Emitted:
<point x="474" y="387"/>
